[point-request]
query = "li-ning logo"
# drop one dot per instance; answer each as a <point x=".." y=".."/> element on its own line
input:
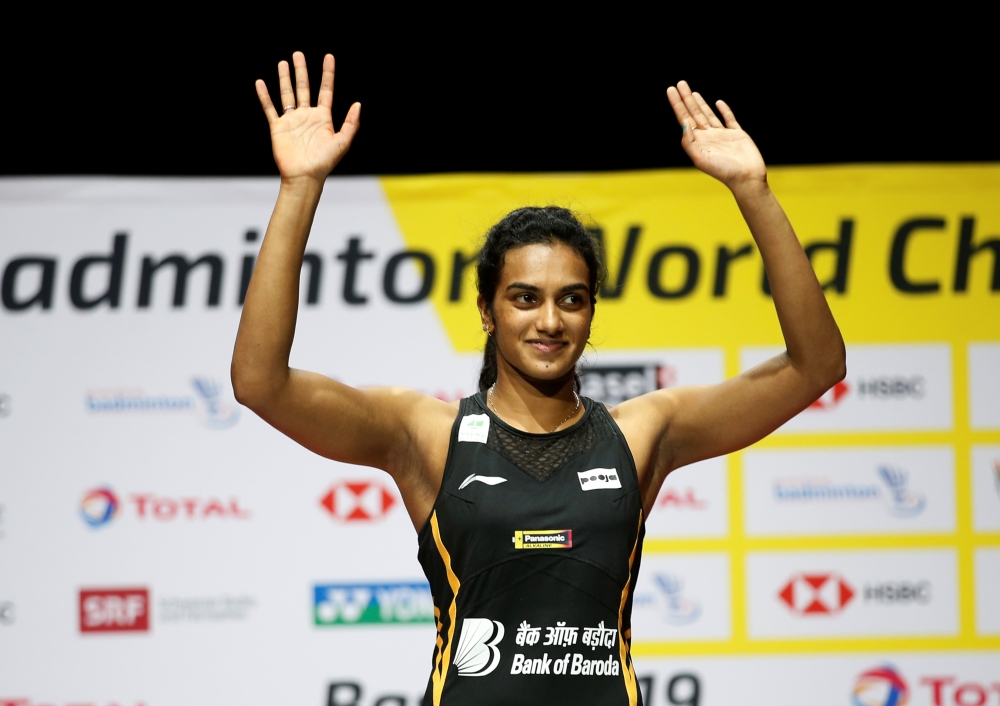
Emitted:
<point x="599" y="478"/>
<point x="903" y="502"/>
<point x="488" y="480"/>
<point x="543" y="539"/>
<point x="477" y="653"/>
<point x="99" y="506"/>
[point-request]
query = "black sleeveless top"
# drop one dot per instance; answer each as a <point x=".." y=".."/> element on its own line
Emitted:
<point x="532" y="552"/>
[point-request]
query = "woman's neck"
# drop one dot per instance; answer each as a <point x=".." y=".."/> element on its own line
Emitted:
<point x="535" y="406"/>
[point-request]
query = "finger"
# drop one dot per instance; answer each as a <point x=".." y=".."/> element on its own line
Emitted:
<point x="265" y="102"/>
<point x="727" y="115"/>
<point x="326" y="83"/>
<point x="301" y="79"/>
<point x="680" y="112"/>
<point x="351" y="124"/>
<point x="713" y="120"/>
<point x="691" y="104"/>
<point x="688" y="132"/>
<point x="285" y="85"/>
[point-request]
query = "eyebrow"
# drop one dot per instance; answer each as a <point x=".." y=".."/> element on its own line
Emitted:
<point x="532" y="288"/>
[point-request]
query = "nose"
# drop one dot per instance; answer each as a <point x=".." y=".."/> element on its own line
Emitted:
<point x="549" y="319"/>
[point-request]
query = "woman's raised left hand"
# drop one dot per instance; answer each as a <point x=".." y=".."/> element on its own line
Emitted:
<point x="721" y="150"/>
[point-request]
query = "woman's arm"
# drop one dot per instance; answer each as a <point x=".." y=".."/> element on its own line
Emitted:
<point x="674" y="427"/>
<point x="374" y="427"/>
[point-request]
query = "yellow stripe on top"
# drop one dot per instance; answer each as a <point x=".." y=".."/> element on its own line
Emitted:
<point x="444" y="656"/>
<point x="628" y="671"/>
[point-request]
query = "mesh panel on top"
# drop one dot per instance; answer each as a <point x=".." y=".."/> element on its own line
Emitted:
<point x="541" y="455"/>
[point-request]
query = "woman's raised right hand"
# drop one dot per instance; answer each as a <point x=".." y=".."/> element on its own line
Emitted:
<point x="302" y="138"/>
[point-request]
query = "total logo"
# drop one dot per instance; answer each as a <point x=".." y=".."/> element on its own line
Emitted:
<point x="816" y="594"/>
<point x="885" y="685"/>
<point x="882" y="686"/>
<point x="359" y="500"/>
<point x="677" y="499"/>
<point x="100" y="506"/>
<point x="114" y="610"/>
<point x="217" y="410"/>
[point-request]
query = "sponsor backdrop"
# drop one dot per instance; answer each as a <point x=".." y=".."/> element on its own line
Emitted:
<point x="161" y="545"/>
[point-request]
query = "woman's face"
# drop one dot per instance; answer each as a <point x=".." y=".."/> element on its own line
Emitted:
<point x="542" y="310"/>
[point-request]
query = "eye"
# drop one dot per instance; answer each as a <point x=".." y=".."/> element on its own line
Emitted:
<point x="524" y="298"/>
<point x="573" y="300"/>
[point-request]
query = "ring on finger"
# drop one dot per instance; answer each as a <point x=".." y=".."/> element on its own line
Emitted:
<point x="289" y="107"/>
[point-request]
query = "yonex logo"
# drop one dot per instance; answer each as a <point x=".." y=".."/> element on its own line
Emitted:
<point x="599" y="478"/>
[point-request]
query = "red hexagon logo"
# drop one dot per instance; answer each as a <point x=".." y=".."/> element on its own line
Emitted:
<point x="358" y="501"/>
<point x="816" y="594"/>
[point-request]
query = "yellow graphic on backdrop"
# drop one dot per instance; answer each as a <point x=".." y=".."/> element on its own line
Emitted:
<point x="886" y="241"/>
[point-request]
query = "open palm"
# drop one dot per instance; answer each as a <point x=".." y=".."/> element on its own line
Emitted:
<point x="303" y="139"/>
<point x="721" y="150"/>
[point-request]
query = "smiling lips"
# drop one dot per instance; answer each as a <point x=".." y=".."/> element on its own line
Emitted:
<point x="547" y="346"/>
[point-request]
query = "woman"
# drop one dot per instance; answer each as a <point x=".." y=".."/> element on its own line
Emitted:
<point x="528" y="500"/>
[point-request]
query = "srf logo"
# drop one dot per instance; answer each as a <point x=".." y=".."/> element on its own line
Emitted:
<point x="114" y="610"/>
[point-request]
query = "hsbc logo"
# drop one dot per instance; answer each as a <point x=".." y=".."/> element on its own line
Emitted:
<point x="832" y="397"/>
<point x="359" y="500"/>
<point x="889" y="386"/>
<point x="816" y="594"/>
<point x="114" y="610"/>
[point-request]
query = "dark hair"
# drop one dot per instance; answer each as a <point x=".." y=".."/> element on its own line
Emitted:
<point x="527" y="226"/>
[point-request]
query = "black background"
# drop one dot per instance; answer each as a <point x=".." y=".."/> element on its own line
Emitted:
<point x="441" y="94"/>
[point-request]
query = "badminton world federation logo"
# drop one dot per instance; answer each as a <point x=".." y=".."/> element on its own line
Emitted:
<point x="882" y="686"/>
<point x="99" y="506"/>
